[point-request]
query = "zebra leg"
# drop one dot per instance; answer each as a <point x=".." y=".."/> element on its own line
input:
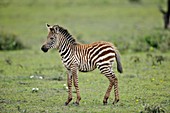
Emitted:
<point x="106" y="69"/>
<point x="116" y="90"/>
<point x="75" y="80"/>
<point x="108" y="90"/>
<point x="69" y="83"/>
<point x="113" y="82"/>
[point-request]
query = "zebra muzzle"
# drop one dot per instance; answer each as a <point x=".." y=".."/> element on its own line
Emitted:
<point x="44" y="49"/>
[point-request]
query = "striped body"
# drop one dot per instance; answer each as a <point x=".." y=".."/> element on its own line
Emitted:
<point x="84" y="57"/>
<point x="89" y="56"/>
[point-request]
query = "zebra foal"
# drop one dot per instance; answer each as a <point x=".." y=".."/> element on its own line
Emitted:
<point x="83" y="57"/>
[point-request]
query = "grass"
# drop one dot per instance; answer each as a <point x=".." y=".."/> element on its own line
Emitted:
<point x="144" y="85"/>
<point x="140" y="85"/>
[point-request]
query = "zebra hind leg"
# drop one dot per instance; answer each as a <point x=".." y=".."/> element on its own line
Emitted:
<point x="113" y="82"/>
<point x="106" y="69"/>
<point x="116" y="90"/>
<point x="108" y="90"/>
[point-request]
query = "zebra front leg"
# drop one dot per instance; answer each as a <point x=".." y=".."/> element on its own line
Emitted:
<point x="69" y="84"/>
<point x="75" y="80"/>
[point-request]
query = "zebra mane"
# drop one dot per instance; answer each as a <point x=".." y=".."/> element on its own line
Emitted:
<point x="65" y="33"/>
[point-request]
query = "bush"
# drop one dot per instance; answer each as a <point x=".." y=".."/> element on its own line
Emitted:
<point x="153" y="109"/>
<point x="10" y="41"/>
<point x="159" y="40"/>
<point x="139" y="45"/>
<point x="135" y="1"/>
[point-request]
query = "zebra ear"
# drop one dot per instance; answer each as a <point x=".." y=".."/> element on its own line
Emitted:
<point x="50" y="28"/>
<point x="56" y="29"/>
<point x="47" y="25"/>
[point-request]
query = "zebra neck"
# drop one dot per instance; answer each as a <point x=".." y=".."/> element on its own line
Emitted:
<point x="65" y="49"/>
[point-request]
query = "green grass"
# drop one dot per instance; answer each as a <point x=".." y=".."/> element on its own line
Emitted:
<point x="141" y="83"/>
<point x="144" y="83"/>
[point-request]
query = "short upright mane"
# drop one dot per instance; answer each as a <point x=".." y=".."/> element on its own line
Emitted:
<point x="66" y="34"/>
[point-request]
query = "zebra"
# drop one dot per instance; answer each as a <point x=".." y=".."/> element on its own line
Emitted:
<point x="84" y="58"/>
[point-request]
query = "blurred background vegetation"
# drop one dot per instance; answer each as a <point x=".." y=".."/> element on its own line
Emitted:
<point x="133" y="25"/>
<point x="10" y="41"/>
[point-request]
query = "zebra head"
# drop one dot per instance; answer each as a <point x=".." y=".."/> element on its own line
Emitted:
<point x="51" y="42"/>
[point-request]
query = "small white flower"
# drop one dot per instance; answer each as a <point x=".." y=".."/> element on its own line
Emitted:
<point x="40" y="77"/>
<point x="65" y="85"/>
<point x="32" y="76"/>
<point x="35" y="90"/>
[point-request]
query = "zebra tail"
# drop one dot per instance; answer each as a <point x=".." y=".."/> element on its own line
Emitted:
<point x="119" y="65"/>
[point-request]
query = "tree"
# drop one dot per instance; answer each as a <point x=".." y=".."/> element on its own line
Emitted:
<point x="166" y="15"/>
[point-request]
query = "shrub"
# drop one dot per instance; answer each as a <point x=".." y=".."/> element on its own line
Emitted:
<point x="140" y="45"/>
<point x="135" y="1"/>
<point x="153" y="109"/>
<point x="159" y="40"/>
<point x="9" y="41"/>
<point x="122" y="43"/>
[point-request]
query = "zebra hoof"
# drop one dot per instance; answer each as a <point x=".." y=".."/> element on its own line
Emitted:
<point x="104" y="103"/>
<point x="76" y="103"/>
<point x="116" y="101"/>
<point x="66" y="103"/>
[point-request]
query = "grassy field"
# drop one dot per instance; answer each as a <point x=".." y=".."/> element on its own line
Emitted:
<point x="144" y="86"/>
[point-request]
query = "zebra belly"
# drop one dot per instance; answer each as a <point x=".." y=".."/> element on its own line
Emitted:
<point x="86" y="68"/>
